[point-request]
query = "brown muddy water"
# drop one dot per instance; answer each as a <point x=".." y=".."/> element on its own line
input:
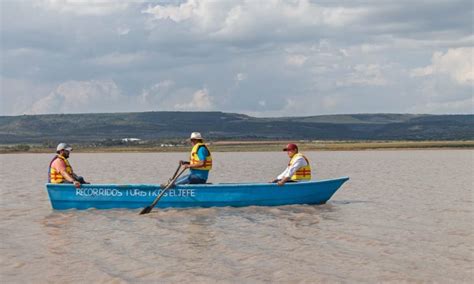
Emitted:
<point x="404" y="216"/>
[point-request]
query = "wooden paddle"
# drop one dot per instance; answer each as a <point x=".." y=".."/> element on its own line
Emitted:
<point x="148" y="209"/>
<point x="179" y="166"/>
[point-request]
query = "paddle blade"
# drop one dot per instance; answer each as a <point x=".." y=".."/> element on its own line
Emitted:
<point x="146" y="210"/>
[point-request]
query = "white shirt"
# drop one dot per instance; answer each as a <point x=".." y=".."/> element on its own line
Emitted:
<point x="290" y="170"/>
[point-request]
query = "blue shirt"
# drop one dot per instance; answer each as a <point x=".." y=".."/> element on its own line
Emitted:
<point x="202" y="154"/>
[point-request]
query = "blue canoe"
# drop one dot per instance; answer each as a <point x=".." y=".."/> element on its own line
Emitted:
<point x="107" y="196"/>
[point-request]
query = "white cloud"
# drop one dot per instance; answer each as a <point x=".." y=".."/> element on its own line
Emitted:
<point x="365" y="75"/>
<point x="119" y="59"/>
<point x="456" y="63"/>
<point x="344" y="56"/>
<point x="201" y="100"/>
<point x="330" y="102"/>
<point x="344" y="52"/>
<point x="23" y="52"/>
<point x="121" y="31"/>
<point x="152" y="97"/>
<point x="247" y="19"/>
<point x="82" y="96"/>
<point x="241" y="77"/>
<point x="291" y="107"/>
<point x="84" y="7"/>
<point x="178" y="13"/>
<point x="168" y="95"/>
<point x="17" y="95"/>
<point x="296" y="60"/>
<point x="369" y="48"/>
<point x="456" y="106"/>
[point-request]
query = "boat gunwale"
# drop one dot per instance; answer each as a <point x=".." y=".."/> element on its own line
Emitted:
<point x="207" y="185"/>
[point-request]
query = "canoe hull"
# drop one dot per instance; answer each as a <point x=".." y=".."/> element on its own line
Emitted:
<point x="108" y="196"/>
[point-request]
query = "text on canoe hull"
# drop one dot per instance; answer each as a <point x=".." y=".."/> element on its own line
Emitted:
<point x="113" y="192"/>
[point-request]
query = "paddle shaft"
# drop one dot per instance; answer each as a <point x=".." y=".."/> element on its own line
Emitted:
<point x="166" y="188"/>
<point x="179" y="166"/>
<point x="148" y="209"/>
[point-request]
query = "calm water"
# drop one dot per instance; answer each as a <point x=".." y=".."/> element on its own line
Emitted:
<point x="404" y="216"/>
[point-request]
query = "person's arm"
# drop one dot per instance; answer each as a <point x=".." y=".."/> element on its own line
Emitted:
<point x="197" y="165"/>
<point x="202" y="153"/>
<point x="283" y="180"/>
<point x="281" y="176"/>
<point x="69" y="178"/>
<point x="300" y="162"/>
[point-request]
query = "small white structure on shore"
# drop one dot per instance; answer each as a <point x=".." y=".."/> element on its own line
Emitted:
<point x="127" y="140"/>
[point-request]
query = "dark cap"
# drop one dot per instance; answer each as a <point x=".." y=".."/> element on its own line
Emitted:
<point x="290" y="146"/>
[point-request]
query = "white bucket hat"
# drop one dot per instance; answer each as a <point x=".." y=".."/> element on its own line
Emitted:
<point x="63" y="146"/>
<point x="196" y="135"/>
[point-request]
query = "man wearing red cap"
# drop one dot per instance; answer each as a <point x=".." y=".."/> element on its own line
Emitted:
<point x="298" y="168"/>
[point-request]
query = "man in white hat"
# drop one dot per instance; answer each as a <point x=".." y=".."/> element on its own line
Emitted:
<point x="60" y="171"/>
<point x="200" y="162"/>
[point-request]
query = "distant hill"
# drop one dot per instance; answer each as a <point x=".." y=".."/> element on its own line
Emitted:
<point x="76" y="128"/>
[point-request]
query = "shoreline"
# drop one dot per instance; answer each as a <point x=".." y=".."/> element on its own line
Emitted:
<point x="252" y="146"/>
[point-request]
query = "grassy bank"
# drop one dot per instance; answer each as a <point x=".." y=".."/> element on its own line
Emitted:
<point x="250" y="146"/>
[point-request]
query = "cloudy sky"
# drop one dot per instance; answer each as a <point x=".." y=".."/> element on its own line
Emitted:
<point x="258" y="57"/>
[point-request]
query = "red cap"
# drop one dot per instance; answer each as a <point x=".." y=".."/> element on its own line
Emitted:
<point x="290" y="146"/>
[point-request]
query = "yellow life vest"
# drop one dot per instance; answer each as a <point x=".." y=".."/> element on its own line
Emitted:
<point x="303" y="173"/>
<point x="54" y="175"/>
<point x="194" y="158"/>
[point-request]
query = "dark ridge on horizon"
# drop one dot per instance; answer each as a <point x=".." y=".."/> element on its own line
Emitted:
<point x="243" y="114"/>
<point x="216" y="125"/>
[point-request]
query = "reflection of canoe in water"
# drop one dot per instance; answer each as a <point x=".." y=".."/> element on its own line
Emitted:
<point x="106" y="196"/>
